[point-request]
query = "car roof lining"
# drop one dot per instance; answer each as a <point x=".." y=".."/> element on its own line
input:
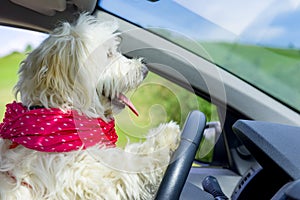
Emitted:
<point x="19" y="16"/>
<point x="51" y="7"/>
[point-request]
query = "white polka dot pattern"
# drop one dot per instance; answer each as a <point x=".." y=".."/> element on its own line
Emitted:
<point x="52" y="130"/>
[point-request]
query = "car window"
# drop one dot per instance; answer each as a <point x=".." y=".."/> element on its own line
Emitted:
<point x="261" y="47"/>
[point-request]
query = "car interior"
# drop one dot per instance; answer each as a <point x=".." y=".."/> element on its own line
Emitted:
<point x="256" y="149"/>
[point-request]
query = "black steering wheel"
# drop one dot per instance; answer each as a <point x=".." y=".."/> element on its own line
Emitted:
<point x="182" y="159"/>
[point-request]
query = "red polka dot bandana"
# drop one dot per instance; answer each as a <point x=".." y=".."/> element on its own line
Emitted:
<point x="52" y="130"/>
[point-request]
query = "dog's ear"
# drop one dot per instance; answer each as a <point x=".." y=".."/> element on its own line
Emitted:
<point x="51" y="73"/>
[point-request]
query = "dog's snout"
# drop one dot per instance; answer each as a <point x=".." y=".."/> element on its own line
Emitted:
<point x="144" y="70"/>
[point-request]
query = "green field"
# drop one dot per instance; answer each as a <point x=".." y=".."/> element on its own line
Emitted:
<point x="9" y="66"/>
<point x="272" y="69"/>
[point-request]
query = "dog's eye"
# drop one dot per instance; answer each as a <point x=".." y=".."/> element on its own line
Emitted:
<point x="109" y="53"/>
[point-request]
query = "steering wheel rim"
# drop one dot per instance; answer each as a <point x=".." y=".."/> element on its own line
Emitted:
<point x="182" y="159"/>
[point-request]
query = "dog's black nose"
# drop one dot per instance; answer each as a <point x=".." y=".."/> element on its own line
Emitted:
<point x="144" y="70"/>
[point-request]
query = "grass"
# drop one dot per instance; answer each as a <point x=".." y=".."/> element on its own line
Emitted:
<point x="271" y="69"/>
<point x="9" y="66"/>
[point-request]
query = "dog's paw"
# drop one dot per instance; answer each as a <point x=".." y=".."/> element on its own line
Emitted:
<point x="167" y="134"/>
<point x="164" y="137"/>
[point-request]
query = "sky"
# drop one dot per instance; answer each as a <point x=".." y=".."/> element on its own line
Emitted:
<point x="236" y="15"/>
<point x="267" y="22"/>
<point x="13" y="39"/>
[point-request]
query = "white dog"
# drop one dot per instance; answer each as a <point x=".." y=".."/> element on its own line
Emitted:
<point x="59" y="142"/>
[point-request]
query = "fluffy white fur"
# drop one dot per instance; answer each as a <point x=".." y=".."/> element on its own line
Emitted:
<point x="79" y="67"/>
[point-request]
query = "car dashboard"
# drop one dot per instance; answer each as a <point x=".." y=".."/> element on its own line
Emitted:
<point x="273" y="175"/>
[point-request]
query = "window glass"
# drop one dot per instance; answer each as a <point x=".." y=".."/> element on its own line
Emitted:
<point x="257" y="41"/>
<point x="159" y="101"/>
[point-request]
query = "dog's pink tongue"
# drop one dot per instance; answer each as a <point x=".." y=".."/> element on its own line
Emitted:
<point x="128" y="103"/>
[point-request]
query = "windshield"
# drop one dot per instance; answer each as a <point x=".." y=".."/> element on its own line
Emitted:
<point x="257" y="41"/>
